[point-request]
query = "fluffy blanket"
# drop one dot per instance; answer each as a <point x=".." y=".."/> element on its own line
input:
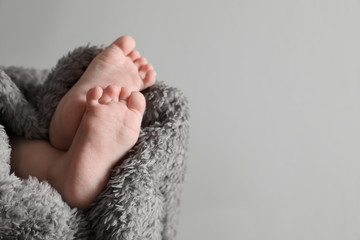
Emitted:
<point x="141" y="199"/>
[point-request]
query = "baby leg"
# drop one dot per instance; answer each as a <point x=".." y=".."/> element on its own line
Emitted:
<point x="33" y="157"/>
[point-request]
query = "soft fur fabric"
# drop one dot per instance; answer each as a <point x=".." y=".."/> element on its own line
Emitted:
<point x="141" y="199"/>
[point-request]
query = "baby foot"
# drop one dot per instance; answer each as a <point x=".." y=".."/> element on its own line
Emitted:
<point x="118" y="64"/>
<point x="108" y="130"/>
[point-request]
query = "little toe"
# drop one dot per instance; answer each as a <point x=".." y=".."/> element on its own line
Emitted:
<point x="134" y="55"/>
<point x="111" y="93"/>
<point x="136" y="102"/>
<point x="93" y="95"/>
<point x="149" y="78"/>
<point x="126" y="43"/>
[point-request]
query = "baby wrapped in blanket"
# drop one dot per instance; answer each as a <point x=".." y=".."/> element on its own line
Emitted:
<point x="94" y="126"/>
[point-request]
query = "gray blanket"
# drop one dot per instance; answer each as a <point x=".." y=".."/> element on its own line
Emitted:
<point x="141" y="199"/>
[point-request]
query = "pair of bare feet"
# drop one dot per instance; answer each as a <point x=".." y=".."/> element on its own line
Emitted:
<point x="95" y="124"/>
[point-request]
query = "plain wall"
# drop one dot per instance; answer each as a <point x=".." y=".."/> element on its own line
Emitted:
<point x="274" y="92"/>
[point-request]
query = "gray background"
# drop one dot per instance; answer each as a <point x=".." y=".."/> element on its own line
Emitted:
<point x="274" y="95"/>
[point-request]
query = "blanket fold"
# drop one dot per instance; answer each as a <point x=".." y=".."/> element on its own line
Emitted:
<point x="141" y="199"/>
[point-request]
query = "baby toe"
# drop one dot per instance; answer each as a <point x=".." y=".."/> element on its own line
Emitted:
<point x="134" y="55"/>
<point x="149" y="78"/>
<point x="111" y="93"/>
<point x="146" y="68"/>
<point x="126" y="43"/>
<point x="140" y="62"/>
<point x="136" y="102"/>
<point x="93" y="95"/>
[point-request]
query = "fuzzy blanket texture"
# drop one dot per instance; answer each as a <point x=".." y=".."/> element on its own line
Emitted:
<point x="141" y="199"/>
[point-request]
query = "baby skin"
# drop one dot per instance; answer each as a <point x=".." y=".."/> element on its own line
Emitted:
<point x="109" y="103"/>
<point x="119" y="64"/>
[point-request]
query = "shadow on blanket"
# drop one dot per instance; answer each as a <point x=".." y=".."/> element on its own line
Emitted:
<point x="141" y="199"/>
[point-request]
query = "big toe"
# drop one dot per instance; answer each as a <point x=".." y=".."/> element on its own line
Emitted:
<point x="117" y="51"/>
<point x="126" y="43"/>
<point x="136" y="102"/>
